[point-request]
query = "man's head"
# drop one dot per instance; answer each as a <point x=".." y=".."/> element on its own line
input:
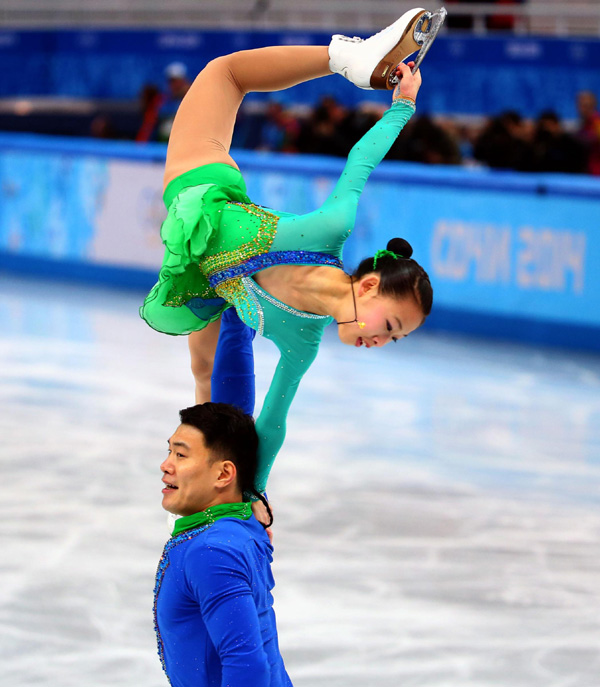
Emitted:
<point x="212" y="458"/>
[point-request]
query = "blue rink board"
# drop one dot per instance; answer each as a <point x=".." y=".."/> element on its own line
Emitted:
<point x="509" y="255"/>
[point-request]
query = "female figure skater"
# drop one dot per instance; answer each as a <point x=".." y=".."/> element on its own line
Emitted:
<point x="281" y="272"/>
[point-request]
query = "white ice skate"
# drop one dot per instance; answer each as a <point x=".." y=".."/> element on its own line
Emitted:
<point x="371" y="63"/>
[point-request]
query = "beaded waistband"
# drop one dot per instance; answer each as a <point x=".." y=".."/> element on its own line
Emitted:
<point x="261" y="262"/>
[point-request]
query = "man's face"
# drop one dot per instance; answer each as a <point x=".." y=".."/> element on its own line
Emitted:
<point x="190" y="478"/>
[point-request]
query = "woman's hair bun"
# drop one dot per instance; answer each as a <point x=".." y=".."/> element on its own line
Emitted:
<point x="400" y="247"/>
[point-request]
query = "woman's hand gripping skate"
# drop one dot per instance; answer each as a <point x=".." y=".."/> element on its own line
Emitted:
<point x="408" y="83"/>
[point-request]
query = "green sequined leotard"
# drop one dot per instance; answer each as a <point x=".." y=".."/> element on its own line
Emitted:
<point x="216" y="239"/>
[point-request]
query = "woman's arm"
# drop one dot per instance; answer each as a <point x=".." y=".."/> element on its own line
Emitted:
<point x="375" y="144"/>
<point x="271" y="423"/>
<point x="297" y="357"/>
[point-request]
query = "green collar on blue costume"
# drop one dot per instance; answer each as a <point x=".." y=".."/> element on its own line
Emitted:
<point x="242" y="511"/>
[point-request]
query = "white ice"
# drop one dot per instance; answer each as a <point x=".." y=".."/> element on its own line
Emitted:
<point x="437" y="504"/>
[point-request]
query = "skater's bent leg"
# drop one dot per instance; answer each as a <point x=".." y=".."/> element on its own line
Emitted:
<point x="203" y="127"/>
<point x="203" y="345"/>
<point x="233" y="371"/>
<point x="277" y="67"/>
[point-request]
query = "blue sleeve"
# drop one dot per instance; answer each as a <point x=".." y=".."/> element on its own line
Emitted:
<point x="232" y="379"/>
<point x="222" y="586"/>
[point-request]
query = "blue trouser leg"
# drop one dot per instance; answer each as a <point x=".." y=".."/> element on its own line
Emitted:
<point x="232" y="379"/>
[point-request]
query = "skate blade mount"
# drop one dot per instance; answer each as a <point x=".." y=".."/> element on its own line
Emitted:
<point x="425" y="31"/>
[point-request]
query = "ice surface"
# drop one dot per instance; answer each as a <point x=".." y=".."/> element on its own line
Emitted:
<point x="437" y="504"/>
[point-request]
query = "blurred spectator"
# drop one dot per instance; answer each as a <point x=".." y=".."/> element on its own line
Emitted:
<point x="328" y="130"/>
<point x="492" y="22"/>
<point x="280" y="130"/>
<point x="150" y="101"/>
<point x="502" y="22"/>
<point x="425" y="141"/>
<point x="554" y="149"/>
<point x="505" y="143"/>
<point x="102" y="126"/>
<point x="177" y="86"/>
<point x="465" y="134"/>
<point x="159" y="109"/>
<point x="362" y="119"/>
<point x="460" y="21"/>
<point x="589" y="129"/>
<point x="248" y="128"/>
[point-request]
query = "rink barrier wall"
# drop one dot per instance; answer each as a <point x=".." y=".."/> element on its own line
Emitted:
<point x="464" y="74"/>
<point x="510" y="255"/>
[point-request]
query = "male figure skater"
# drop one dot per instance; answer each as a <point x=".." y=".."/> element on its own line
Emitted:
<point x="213" y="607"/>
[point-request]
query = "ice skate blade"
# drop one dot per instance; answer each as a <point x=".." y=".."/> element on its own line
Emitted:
<point x="426" y="30"/>
<point x="406" y="46"/>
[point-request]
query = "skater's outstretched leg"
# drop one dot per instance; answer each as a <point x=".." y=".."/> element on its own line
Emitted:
<point x="203" y="126"/>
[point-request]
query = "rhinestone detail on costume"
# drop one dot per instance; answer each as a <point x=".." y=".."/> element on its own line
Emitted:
<point x="234" y="292"/>
<point x="261" y="262"/>
<point x="247" y="282"/>
<point x="176" y="299"/>
<point x="260" y="244"/>
<point x="252" y="286"/>
<point x="232" y="289"/>
<point x="163" y="564"/>
<point x="228" y="271"/>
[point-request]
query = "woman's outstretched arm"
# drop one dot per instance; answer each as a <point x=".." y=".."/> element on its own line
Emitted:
<point x="375" y="144"/>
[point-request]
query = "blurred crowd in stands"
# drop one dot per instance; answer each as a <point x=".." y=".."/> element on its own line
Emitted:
<point x="507" y="141"/>
<point x="493" y="22"/>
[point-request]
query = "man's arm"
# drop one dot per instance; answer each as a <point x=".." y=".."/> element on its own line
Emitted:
<point x="220" y="582"/>
<point x="233" y="370"/>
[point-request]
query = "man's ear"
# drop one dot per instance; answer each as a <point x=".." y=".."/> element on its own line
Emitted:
<point x="227" y="474"/>
<point x="369" y="285"/>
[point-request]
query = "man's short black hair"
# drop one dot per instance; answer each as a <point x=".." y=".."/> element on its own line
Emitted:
<point x="229" y="434"/>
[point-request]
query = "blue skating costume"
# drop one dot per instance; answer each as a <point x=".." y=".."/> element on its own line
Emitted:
<point x="214" y="608"/>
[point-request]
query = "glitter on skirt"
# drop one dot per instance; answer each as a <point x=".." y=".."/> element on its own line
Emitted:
<point x="176" y="298"/>
<point x="260" y="244"/>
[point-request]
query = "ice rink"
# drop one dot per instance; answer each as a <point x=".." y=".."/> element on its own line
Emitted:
<point x="437" y="504"/>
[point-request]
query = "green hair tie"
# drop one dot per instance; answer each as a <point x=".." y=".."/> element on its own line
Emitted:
<point x="383" y="254"/>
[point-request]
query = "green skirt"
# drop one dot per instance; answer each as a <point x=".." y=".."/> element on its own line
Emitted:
<point x="194" y="202"/>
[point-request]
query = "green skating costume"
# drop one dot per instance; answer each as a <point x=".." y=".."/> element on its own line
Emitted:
<point x="216" y="239"/>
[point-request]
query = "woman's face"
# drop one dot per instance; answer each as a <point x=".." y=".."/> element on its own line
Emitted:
<point x="385" y="318"/>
